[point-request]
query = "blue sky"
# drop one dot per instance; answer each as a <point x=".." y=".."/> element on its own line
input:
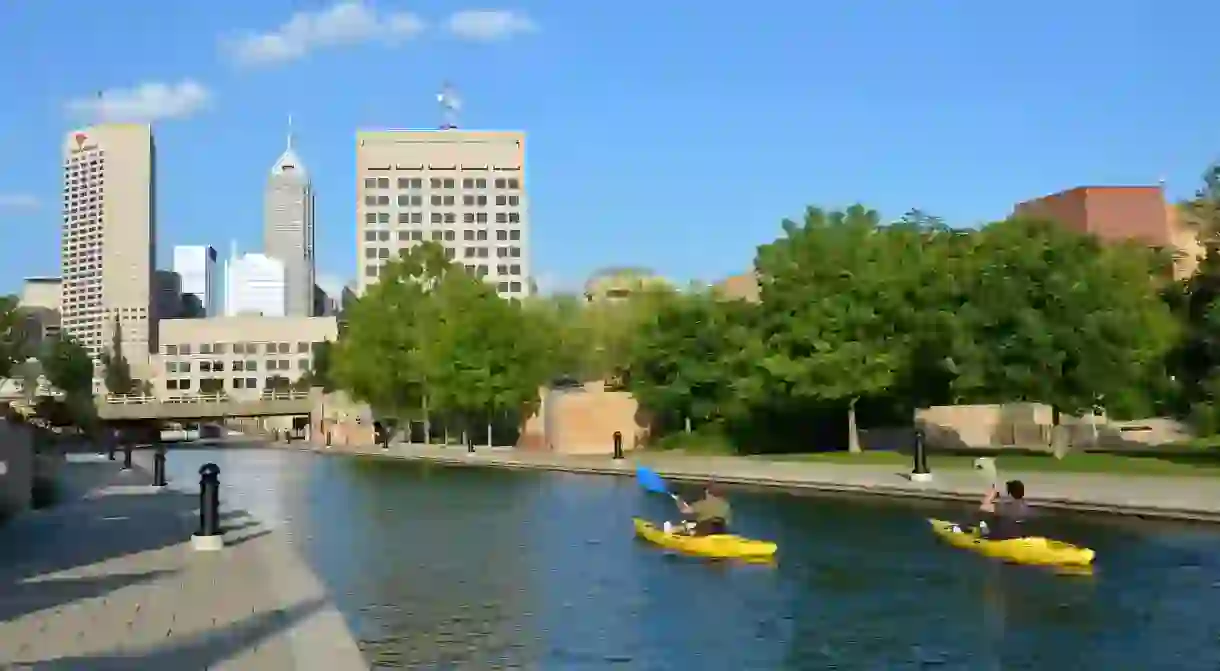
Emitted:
<point x="672" y="135"/>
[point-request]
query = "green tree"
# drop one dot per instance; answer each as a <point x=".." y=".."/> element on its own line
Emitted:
<point x="117" y="373"/>
<point x="830" y="291"/>
<point x="12" y="337"/>
<point x="67" y="366"/>
<point x="319" y="374"/>
<point x="690" y="362"/>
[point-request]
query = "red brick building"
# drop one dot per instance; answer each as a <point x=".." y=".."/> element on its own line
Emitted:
<point x="1118" y="213"/>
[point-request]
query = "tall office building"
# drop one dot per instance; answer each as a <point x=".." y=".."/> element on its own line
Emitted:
<point x="108" y="243"/>
<point x="288" y="233"/>
<point x="462" y="189"/>
<point x="255" y="286"/>
<point x="196" y="265"/>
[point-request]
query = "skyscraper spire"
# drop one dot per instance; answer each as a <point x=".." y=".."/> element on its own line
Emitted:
<point x="289" y="132"/>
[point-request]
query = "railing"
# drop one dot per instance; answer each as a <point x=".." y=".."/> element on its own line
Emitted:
<point x="221" y="397"/>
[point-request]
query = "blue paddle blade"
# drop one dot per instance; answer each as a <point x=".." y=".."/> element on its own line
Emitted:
<point x="649" y="480"/>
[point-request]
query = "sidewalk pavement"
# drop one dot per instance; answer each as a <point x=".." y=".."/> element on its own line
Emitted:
<point x="1153" y="497"/>
<point x="108" y="580"/>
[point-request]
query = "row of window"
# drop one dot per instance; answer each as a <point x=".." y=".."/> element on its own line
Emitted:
<point x="215" y="384"/>
<point x="502" y="235"/>
<point x="239" y="365"/>
<point x="241" y="348"/>
<point x="442" y="183"/>
<point x="373" y="200"/>
<point x="442" y="217"/>
<point x="371" y="253"/>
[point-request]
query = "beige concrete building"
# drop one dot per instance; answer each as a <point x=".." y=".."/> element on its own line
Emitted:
<point x="463" y="189"/>
<point x="240" y="355"/>
<point x="616" y="284"/>
<point x="108" y="239"/>
<point x="41" y="292"/>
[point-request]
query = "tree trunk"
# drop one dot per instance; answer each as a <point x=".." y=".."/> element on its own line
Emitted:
<point x="853" y="433"/>
<point x="427" y="423"/>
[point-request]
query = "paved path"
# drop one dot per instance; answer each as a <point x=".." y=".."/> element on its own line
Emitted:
<point x="1157" y="497"/>
<point x="110" y="581"/>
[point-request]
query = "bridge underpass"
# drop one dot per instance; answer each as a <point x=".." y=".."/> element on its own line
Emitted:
<point x="137" y="414"/>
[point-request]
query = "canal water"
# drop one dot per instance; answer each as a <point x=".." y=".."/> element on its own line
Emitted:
<point x="463" y="568"/>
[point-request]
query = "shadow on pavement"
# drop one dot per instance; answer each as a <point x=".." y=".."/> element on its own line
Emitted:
<point x="203" y="651"/>
<point x="87" y="531"/>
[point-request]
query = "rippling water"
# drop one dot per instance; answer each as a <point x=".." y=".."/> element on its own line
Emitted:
<point x="481" y="569"/>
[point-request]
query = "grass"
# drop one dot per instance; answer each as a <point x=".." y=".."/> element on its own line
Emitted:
<point x="1168" y="463"/>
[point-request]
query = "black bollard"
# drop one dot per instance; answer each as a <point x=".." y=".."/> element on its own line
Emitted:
<point x="328" y="438"/>
<point x="209" y="500"/>
<point x="618" y="444"/>
<point x="127" y="457"/>
<point x="469" y="443"/>
<point x="159" y="467"/>
<point x="921" y="472"/>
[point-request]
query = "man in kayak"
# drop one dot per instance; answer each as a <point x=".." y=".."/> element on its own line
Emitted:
<point x="709" y="515"/>
<point x="1005" y="516"/>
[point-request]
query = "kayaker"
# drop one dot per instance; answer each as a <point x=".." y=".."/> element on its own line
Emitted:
<point x="710" y="514"/>
<point x="1005" y="516"/>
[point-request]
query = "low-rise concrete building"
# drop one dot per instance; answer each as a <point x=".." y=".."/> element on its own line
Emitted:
<point x="240" y="355"/>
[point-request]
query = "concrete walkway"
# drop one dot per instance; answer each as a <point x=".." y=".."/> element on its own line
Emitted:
<point x="109" y="581"/>
<point x="1154" y="497"/>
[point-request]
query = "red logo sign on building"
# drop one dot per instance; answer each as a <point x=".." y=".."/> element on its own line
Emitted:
<point x="80" y="140"/>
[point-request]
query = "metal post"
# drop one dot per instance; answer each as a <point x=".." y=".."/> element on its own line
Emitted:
<point x="159" y="467"/>
<point x="469" y="442"/>
<point x="618" y="444"/>
<point x="209" y="537"/>
<point x="921" y="472"/>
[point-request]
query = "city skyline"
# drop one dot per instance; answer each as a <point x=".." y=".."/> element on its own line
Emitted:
<point x="633" y="137"/>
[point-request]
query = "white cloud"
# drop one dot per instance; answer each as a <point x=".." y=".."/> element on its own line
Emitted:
<point x="487" y="25"/>
<point x="18" y="201"/>
<point x="150" y="101"/>
<point x="345" y="23"/>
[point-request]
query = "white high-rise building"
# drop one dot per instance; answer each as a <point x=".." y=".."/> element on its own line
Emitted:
<point x="196" y="265"/>
<point x="465" y="190"/>
<point x="108" y="242"/>
<point x="288" y="228"/>
<point x="255" y="284"/>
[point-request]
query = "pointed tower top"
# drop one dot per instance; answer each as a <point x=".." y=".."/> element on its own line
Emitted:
<point x="289" y="163"/>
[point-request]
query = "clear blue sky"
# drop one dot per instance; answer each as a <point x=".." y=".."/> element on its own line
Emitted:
<point x="670" y="135"/>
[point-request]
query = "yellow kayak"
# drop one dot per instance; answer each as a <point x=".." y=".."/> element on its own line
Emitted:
<point x="1033" y="550"/>
<point x="721" y="546"/>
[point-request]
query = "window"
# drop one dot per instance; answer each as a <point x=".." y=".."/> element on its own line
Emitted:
<point x="237" y="365"/>
<point x="404" y="183"/>
<point x="404" y="217"/>
<point x="437" y="236"/>
<point x="503" y="287"/>
<point x="482" y="252"/>
<point x="449" y="201"/>
<point x="514" y="217"/>
<point x="285" y="348"/>
<point x="514" y="200"/>
<point x="184" y="349"/>
<point x="501" y="200"/>
<point x="435" y="200"/>
<point x="383" y="217"/>
<point x="417" y="217"/>
<point x="237" y="382"/>
<point x="303" y="364"/>
<point x="481" y="271"/>
<point x="514" y="183"/>
<point x="370" y="200"/>
<point x="251" y="364"/>
<point x="417" y="183"/>
<point x="449" y="183"/>
<point x="514" y="287"/>
<point x="450" y="218"/>
<point x="370" y="182"/>
<point x="205" y="366"/>
<point x="468" y="235"/>
<point x="219" y="348"/>
<point x="184" y="384"/>
<point x="480" y="183"/>
<point x="481" y="234"/>
<point x="502" y="252"/>
<point x="370" y="253"/>
<point x="469" y="252"/>
<point x="468" y="200"/>
<point x="450" y="253"/>
<point x="501" y="269"/>
<point x="370" y="218"/>
<point x="370" y="271"/>
<point x="514" y="269"/>
<point x="501" y="218"/>
<point x="218" y="366"/>
<point x="482" y="201"/>
<point x="450" y="236"/>
<point x="383" y="253"/>
<point x="240" y="347"/>
<point x="480" y="217"/>
<point x="171" y="349"/>
<point x="435" y="183"/>
<point x="403" y="200"/>
<point x="205" y="348"/>
<point x="417" y="235"/>
<point x="514" y="235"/>
<point x="302" y="348"/>
<point x="383" y="182"/>
<point x="383" y="236"/>
<point x="251" y="383"/>
<point x="500" y="184"/>
<point x="468" y="183"/>
<point x="468" y="217"/>
<point x="437" y="218"/>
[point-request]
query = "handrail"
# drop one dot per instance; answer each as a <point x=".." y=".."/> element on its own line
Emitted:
<point x="221" y="397"/>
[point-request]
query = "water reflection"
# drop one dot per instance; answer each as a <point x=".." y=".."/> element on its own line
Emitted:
<point x="466" y="568"/>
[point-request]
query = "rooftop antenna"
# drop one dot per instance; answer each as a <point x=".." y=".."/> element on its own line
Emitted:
<point x="450" y="105"/>
<point x="290" y="134"/>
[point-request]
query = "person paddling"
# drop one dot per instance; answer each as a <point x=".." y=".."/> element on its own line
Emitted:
<point x="1005" y="517"/>
<point x="709" y="515"/>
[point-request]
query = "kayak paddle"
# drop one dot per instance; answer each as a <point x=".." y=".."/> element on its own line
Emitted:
<point x="652" y="482"/>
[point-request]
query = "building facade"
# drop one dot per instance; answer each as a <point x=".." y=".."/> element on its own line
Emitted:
<point x="255" y="286"/>
<point x="108" y="241"/>
<point x="167" y="295"/>
<point x="241" y="356"/>
<point x="1118" y="214"/>
<point x="196" y="266"/>
<point x="465" y="190"/>
<point x="288" y="229"/>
